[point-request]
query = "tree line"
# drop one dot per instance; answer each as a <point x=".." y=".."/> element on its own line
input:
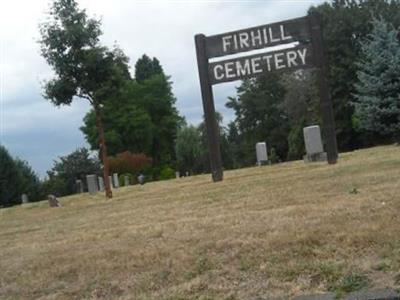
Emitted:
<point x="145" y="133"/>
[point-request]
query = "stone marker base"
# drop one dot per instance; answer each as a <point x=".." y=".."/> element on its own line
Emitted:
<point x="315" y="157"/>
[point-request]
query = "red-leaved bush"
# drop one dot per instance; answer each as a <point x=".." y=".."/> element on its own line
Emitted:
<point x="127" y="162"/>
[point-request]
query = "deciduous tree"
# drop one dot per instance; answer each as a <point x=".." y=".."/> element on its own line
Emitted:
<point x="83" y="68"/>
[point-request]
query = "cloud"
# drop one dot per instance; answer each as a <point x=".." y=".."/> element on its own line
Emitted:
<point x="38" y="132"/>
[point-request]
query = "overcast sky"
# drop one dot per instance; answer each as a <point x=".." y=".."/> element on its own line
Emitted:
<point x="38" y="132"/>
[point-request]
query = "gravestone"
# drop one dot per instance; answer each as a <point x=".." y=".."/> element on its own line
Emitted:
<point x="177" y="174"/>
<point x="24" y="198"/>
<point x="79" y="186"/>
<point x="53" y="201"/>
<point x="111" y="181"/>
<point x="187" y="174"/>
<point x="126" y="180"/>
<point x="101" y="184"/>
<point x="92" y="183"/>
<point x="313" y="142"/>
<point x="261" y="151"/>
<point x="140" y="179"/>
<point x="115" y="179"/>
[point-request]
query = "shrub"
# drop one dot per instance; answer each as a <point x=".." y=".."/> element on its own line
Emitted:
<point x="127" y="162"/>
<point x="167" y="173"/>
<point x="273" y="157"/>
<point x="121" y="179"/>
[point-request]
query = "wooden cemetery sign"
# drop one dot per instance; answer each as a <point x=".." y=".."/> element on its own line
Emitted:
<point x="304" y="35"/>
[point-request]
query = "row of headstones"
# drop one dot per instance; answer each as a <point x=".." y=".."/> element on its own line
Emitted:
<point x="312" y="140"/>
<point x="53" y="201"/>
<point x="94" y="187"/>
<point x="96" y="183"/>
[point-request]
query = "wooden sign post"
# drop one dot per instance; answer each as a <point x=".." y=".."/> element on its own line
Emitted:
<point x="209" y="110"/>
<point x="307" y="51"/>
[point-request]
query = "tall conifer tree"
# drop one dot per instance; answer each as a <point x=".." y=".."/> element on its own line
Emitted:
<point x="377" y="105"/>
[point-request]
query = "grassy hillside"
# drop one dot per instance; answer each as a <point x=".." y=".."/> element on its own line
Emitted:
<point x="280" y="230"/>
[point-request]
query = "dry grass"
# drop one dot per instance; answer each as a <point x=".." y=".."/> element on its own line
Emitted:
<point x="280" y="230"/>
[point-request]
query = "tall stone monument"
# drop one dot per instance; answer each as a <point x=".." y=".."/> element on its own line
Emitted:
<point x="313" y="143"/>
<point x="115" y="179"/>
<point x="262" y="155"/>
<point x="92" y="183"/>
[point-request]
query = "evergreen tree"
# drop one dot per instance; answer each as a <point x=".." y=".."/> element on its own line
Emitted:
<point x="29" y="182"/>
<point x="345" y="24"/>
<point x="377" y="101"/>
<point x="17" y="178"/>
<point x="10" y="179"/>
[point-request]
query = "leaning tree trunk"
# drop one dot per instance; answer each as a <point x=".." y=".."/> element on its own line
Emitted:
<point x="103" y="150"/>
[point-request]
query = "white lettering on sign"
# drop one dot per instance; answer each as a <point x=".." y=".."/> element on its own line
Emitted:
<point x="244" y="38"/>
<point x="267" y="58"/>
<point x="226" y="42"/>
<point x="244" y="69"/>
<point x="271" y="37"/>
<point x="254" y="38"/>
<point x="291" y="56"/>
<point x="217" y="72"/>
<point x="256" y="64"/>
<point x="229" y="70"/>
<point x="283" y="36"/>
<point x="279" y="61"/>
<point x="302" y="53"/>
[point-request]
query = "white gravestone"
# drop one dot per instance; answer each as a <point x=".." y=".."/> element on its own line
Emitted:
<point x="110" y="181"/>
<point x="177" y="174"/>
<point x="79" y="186"/>
<point x="115" y="179"/>
<point x="92" y="184"/>
<point x="101" y="184"/>
<point x="313" y="143"/>
<point x="126" y="180"/>
<point x="24" y="198"/>
<point x="140" y="179"/>
<point x="261" y="151"/>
